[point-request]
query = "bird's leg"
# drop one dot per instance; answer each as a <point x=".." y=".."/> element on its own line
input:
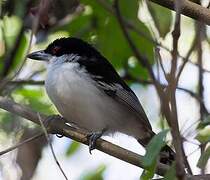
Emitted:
<point x="92" y="137"/>
<point x="50" y="121"/>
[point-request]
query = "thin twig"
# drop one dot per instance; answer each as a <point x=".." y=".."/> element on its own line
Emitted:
<point x="190" y="141"/>
<point x="200" y="33"/>
<point x="158" y="65"/>
<point x="185" y="60"/>
<point x="193" y="151"/>
<point x="10" y="57"/>
<point x="157" y="50"/>
<point x="26" y="82"/>
<point x="177" y="140"/>
<point x="21" y="143"/>
<point x="36" y="73"/>
<point x="50" y="144"/>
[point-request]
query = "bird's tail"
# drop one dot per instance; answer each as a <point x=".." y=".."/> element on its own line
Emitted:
<point x="167" y="155"/>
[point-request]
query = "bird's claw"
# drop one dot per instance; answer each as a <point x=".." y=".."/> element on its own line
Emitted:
<point x="50" y="121"/>
<point x="92" y="137"/>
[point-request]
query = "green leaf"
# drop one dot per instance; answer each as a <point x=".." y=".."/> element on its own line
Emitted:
<point x="135" y="69"/>
<point x="203" y="135"/>
<point x="80" y="26"/>
<point x="8" y="122"/>
<point x="11" y="27"/>
<point x="73" y="147"/>
<point x="131" y="11"/>
<point x="204" y="158"/>
<point x="162" y="18"/>
<point x="153" y="148"/>
<point x="205" y="122"/>
<point x="34" y="98"/>
<point x="21" y="52"/>
<point x="96" y="174"/>
<point x="149" y="173"/>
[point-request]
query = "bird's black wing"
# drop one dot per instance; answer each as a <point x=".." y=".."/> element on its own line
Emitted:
<point x="127" y="98"/>
<point x="110" y="82"/>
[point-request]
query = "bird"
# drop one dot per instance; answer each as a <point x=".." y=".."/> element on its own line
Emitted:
<point x="87" y="91"/>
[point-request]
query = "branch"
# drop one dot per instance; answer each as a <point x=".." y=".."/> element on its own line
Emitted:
<point x="173" y="118"/>
<point x="189" y="9"/>
<point x="21" y="143"/>
<point x="26" y="82"/>
<point x="186" y="60"/>
<point x="58" y="127"/>
<point x="195" y="177"/>
<point x="77" y="135"/>
<point x="200" y="31"/>
<point x="10" y="57"/>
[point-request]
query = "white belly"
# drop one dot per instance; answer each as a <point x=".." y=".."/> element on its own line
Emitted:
<point x="79" y="101"/>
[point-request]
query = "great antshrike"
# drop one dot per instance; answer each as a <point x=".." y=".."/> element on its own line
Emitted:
<point x="86" y="90"/>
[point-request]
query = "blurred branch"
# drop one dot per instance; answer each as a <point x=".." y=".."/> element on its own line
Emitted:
<point x="8" y="61"/>
<point x="176" y="35"/>
<point x="193" y="45"/>
<point x="189" y="9"/>
<point x="200" y="28"/>
<point x="194" y="177"/>
<point x="171" y="95"/>
<point x="26" y="82"/>
<point x="59" y="127"/>
<point x="157" y="52"/>
<point x="21" y="143"/>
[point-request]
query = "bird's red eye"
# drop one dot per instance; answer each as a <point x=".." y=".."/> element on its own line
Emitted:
<point x="55" y="50"/>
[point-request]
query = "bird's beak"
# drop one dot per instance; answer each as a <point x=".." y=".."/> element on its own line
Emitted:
<point x="40" y="56"/>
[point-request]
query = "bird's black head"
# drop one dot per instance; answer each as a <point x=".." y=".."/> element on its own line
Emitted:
<point x="77" y="46"/>
<point x="88" y="57"/>
<point x="65" y="46"/>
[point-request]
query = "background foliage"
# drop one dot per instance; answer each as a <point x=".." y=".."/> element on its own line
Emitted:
<point x="93" y="21"/>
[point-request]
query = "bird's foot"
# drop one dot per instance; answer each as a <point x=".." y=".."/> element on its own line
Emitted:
<point x="92" y="137"/>
<point x="54" y="120"/>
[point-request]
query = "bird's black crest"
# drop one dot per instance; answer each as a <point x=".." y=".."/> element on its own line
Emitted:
<point x="71" y="45"/>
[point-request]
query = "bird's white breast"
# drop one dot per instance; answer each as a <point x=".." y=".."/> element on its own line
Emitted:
<point x="78" y="99"/>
